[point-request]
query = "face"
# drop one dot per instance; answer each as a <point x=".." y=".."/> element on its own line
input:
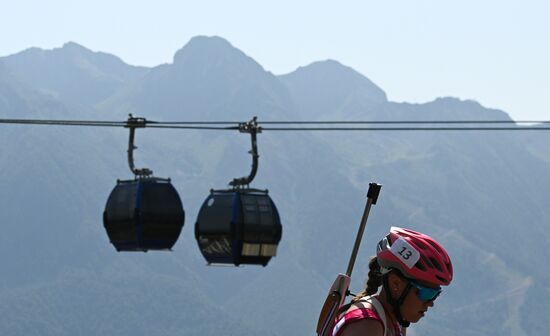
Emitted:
<point x="414" y="308"/>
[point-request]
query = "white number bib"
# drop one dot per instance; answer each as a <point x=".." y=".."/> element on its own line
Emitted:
<point x="405" y="252"/>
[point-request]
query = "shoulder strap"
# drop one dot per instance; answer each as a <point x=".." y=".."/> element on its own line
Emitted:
<point x="379" y="309"/>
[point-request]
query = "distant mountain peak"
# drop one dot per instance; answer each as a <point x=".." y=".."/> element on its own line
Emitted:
<point x="328" y="63"/>
<point x="202" y="45"/>
<point x="453" y="108"/>
<point x="74" y="46"/>
<point x="214" y="51"/>
<point x="72" y="72"/>
<point x="328" y="86"/>
<point x="210" y="40"/>
<point x="69" y="49"/>
<point x="333" y="69"/>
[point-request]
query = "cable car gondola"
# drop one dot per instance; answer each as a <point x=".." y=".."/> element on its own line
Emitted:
<point x="145" y="213"/>
<point x="239" y="225"/>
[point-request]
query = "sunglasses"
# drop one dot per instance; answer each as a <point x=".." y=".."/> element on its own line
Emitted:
<point x="424" y="293"/>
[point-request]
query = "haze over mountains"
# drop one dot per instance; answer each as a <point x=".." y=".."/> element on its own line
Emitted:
<point x="483" y="195"/>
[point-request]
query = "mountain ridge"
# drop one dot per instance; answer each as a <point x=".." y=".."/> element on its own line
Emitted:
<point x="481" y="195"/>
<point x="55" y="72"/>
<point x="230" y="77"/>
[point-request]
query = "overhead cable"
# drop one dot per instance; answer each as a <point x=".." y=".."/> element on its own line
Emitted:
<point x="63" y="122"/>
<point x="349" y="122"/>
<point x="233" y="125"/>
<point x="405" y="128"/>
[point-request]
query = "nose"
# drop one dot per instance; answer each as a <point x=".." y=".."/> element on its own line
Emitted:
<point x="430" y="303"/>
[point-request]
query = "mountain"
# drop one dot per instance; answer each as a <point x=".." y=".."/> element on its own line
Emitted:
<point x="481" y="194"/>
<point x="329" y="89"/>
<point x="18" y="100"/>
<point x="208" y="79"/>
<point x="72" y="73"/>
<point x="10" y="97"/>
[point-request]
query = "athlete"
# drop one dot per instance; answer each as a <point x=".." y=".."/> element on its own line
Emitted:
<point x="411" y="267"/>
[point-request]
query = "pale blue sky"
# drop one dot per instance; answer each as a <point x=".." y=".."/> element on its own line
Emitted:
<point x="495" y="52"/>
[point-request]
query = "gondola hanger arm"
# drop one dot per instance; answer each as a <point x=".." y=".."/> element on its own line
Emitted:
<point x="252" y="128"/>
<point x="132" y="124"/>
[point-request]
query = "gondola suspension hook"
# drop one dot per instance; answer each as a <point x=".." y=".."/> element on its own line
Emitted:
<point x="252" y="128"/>
<point x="132" y="124"/>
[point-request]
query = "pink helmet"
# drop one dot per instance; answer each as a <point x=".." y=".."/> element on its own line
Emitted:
<point x="416" y="255"/>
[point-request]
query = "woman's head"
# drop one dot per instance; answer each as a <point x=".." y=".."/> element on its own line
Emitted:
<point x="412" y="267"/>
<point x="416" y="255"/>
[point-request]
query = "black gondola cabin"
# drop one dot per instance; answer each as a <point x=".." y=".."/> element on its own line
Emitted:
<point x="237" y="227"/>
<point x="143" y="214"/>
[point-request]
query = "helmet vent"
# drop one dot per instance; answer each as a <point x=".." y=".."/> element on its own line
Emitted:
<point x="436" y="247"/>
<point x="420" y="245"/>
<point x="427" y="261"/>
<point x="420" y="266"/>
<point x="445" y="281"/>
<point x="436" y="264"/>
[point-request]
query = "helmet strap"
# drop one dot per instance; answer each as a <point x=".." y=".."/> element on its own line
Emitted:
<point x="396" y="303"/>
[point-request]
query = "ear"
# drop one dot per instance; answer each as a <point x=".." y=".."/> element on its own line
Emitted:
<point x="396" y="283"/>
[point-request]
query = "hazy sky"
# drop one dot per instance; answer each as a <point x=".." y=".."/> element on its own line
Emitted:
<point x="495" y="52"/>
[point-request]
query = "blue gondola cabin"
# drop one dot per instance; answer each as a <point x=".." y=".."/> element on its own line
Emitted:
<point x="143" y="214"/>
<point x="237" y="227"/>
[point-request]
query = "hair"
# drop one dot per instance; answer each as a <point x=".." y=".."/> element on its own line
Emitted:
<point x="373" y="282"/>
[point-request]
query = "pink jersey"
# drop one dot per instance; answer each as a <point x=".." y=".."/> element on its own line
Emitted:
<point x="357" y="315"/>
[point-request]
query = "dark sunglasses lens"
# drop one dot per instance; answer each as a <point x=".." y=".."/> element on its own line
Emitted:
<point x="428" y="294"/>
